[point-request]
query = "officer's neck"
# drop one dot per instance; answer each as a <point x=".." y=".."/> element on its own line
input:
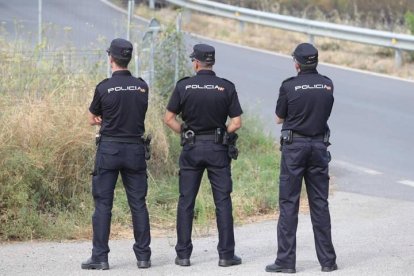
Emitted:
<point x="203" y="68"/>
<point x="115" y="67"/>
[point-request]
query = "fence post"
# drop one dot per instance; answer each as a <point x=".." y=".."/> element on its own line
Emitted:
<point x="177" y="52"/>
<point x="39" y="37"/>
<point x="311" y="39"/>
<point x="130" y="13"/>
<point x="136" y="60"/>
<point x="153" y="28"/>
<point x="108" y="68"/>
<point x="398" y="58"/>
<point x="152" y="4"/>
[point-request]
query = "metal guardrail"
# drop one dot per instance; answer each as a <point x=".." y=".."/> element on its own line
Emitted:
<point x="396" y="41"/>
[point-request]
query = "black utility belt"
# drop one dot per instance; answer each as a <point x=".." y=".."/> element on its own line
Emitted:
<point x="190" y="137"/>
<point x="207" y="137"/>
<point x="287" y="136"/>
<point x="129" y="140"/>
<point x="298" y="135"/>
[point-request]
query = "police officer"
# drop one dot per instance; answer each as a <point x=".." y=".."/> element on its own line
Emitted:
<point x="304" y="106"/>
<point x="204" y="101"/>
<point x="119" y="107"/>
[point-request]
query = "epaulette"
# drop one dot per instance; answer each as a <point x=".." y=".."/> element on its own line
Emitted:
<point x="326" y="77"/>
<point x="288" y="79"/>
<point x="102" y="82"/>
<point x="228" y="81"/>
<point x="141" y="79"/>
<point x="183" y="79"/>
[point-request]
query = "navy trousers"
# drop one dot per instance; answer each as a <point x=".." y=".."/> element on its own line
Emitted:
<point x="113" y="158"/>
<point x="304" y="158"/>
<point x="194" y="159"/>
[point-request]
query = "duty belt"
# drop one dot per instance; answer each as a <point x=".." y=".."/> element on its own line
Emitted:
<point x="205" y="137"/>
<point x="298" y="135"/>
<point x="130" y="140"/>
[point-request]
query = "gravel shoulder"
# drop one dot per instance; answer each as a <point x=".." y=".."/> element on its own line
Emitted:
<point x="372" y="236"/>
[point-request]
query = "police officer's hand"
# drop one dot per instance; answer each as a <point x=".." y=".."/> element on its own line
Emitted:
<point x="94" y="119"/>
<point x="98" y="120"/>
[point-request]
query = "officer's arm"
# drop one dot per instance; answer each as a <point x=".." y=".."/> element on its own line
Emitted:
<point x="94" y="120"/>
<point x="170" y="119"/>
<point x="234" y="124"/>
<point x="279" y="120"/>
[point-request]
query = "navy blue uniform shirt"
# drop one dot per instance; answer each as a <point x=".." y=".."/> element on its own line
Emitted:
<point x="122" y="101"/>
<point x="205" y="101"/>
<point x="305" y="103"/>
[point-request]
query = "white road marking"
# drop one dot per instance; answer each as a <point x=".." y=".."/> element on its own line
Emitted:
<point x="407" y="182"/>
<point x="353" y="167"/>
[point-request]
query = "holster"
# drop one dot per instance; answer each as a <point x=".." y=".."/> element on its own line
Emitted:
<point x="95" y="166"/>
<point x="147" y="145"/>
<point x="326" y="137"/>
<point x="187" y="135"/>
<point x="230" y="139"/>
<point x="286" y="137"/>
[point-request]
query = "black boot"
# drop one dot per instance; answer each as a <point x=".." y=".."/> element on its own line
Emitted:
<point x="91" y="264"/>
<point x="229" y="262"/>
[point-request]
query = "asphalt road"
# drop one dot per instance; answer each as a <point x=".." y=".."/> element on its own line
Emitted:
<point x="372" y="129"/>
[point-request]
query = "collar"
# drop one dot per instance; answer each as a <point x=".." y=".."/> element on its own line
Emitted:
<point x="308" y="71"/>
<point x="121" y="73"/>
<point x="206" y="72"/>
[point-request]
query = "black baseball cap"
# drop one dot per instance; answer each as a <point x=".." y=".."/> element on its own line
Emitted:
<point x="203" y="52"/>
<point x="306" y="54"/>
<point x="120" y="48"/>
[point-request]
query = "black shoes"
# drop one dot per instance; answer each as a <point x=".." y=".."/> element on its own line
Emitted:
<point x="233" y="261"/>
<point x="144" y="264"/>
<point x="278" y="268"/>
<point x="91" y="264"/>
<point x="329" y="268"/>
<point x="182" y="262"/>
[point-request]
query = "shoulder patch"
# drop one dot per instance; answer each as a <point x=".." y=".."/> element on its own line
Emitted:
<point x="141" y="79"/>
<point x="183" y="79"/>
<point x="227" y="81"/>
<point x="326" y="77"/>
<point x="288" y="79"/>
<point x="102" y="82"/>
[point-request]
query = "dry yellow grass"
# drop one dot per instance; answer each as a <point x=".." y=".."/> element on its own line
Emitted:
<point x="354" y="55"/>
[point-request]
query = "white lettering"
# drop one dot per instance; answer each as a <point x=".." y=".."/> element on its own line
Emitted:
<point x="206" y="86"/>
<point x="315" y="86"/>
<point x="127" y="88"/>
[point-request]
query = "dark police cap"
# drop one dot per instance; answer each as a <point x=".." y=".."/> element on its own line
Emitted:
<point x="120" y="48"/>
<point x="306" y="54"/>
<point x="203" y="52"/>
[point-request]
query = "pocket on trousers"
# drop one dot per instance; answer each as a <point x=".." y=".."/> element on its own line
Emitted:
<point x="108" y="158"/>
<point x="219" y="156"/>
<point x="294" y="154"/>
<point x="135" y="158"/>
<point x="284" y="186"/>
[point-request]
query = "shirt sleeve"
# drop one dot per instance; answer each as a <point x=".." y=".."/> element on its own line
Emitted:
<point x="282" y="103"/>
<point x="96" y="107"/>
<point x="174" y="105"/>
<point x="235" y="107"/>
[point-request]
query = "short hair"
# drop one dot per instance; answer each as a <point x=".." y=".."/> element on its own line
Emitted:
<point x="206" y="64"/>
<point x="307" y="66"/>
<point x="123" y="63"/>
